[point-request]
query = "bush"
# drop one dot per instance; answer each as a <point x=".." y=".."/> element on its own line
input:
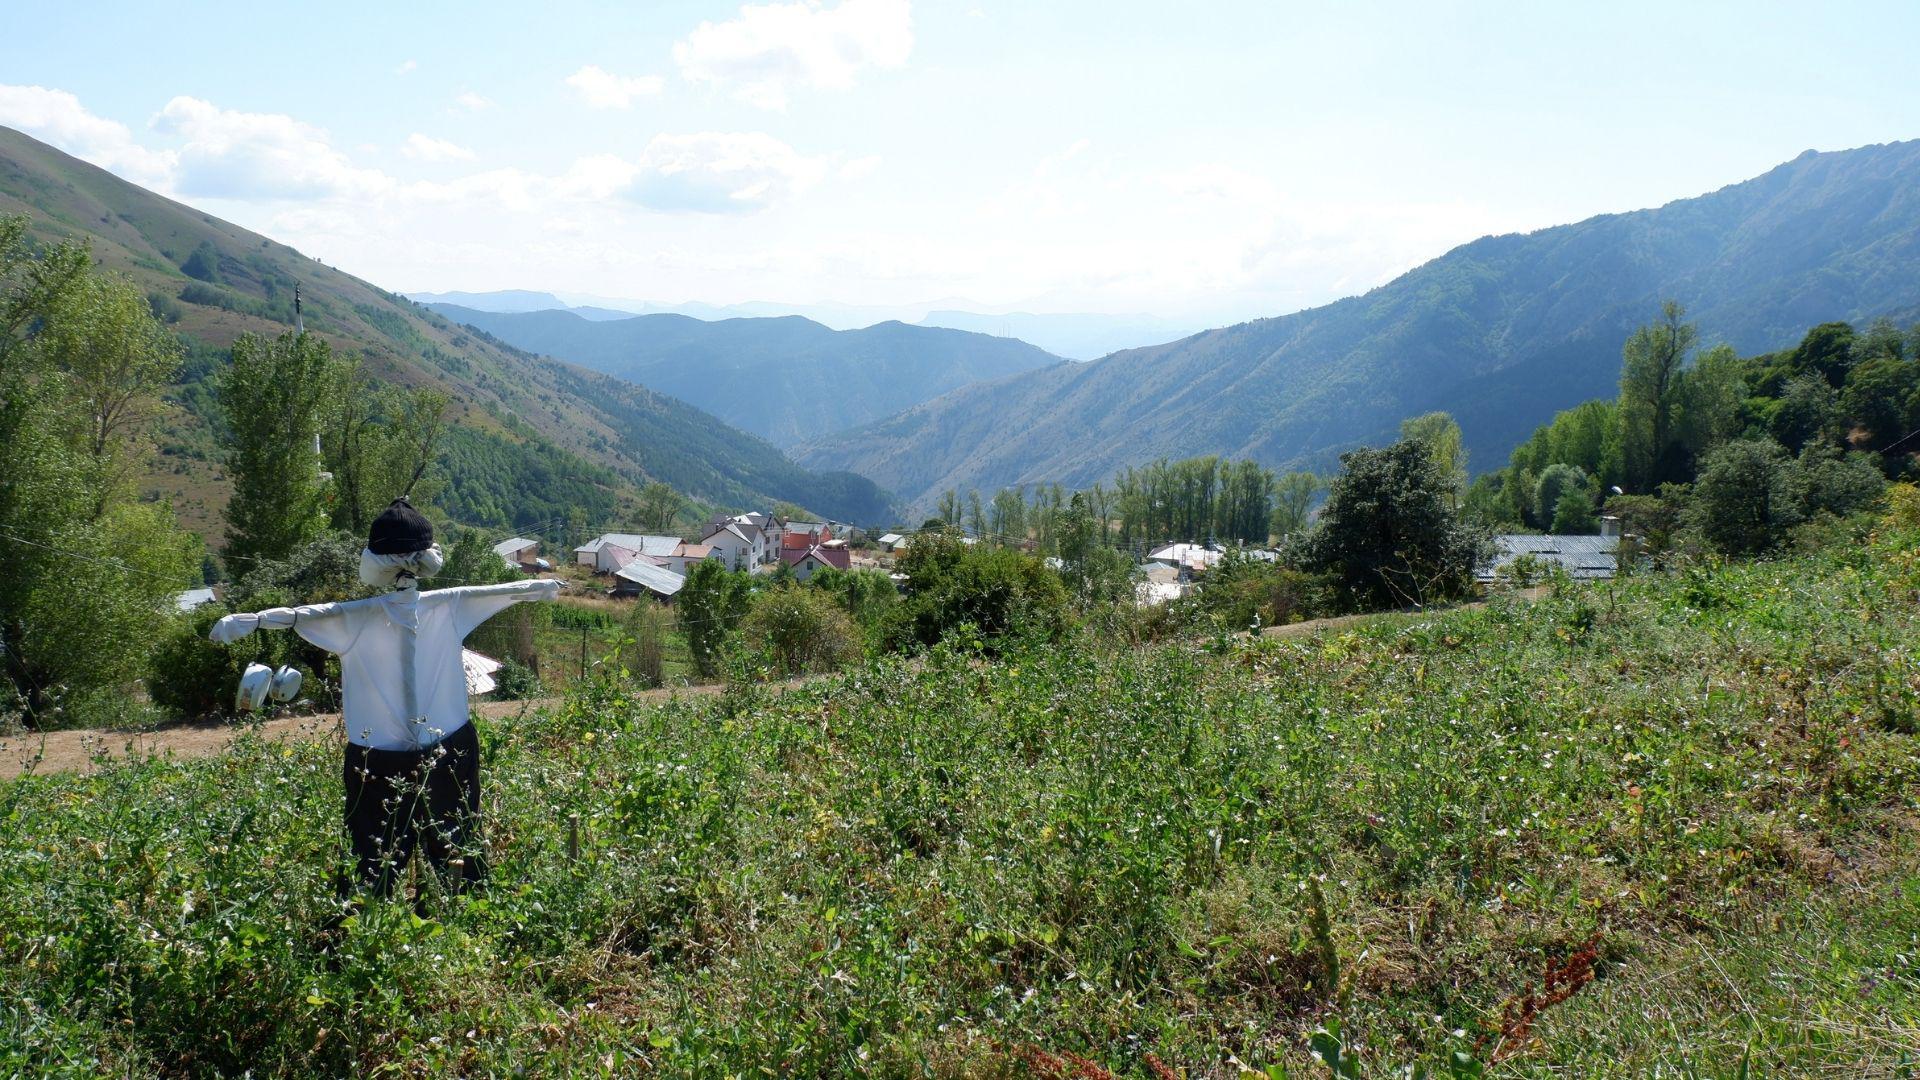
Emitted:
<point x="515" y="681"/>
<point x="1243" y="591"/>
<point x="995" y="592"/>
<point x="800" y="631"/>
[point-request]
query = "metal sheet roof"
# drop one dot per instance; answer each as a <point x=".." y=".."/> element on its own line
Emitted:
<point x="1583" y="557"/>
<point x="657" y="579"/>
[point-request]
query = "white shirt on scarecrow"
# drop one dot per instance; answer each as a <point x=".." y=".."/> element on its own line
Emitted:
<point x="403" y="686"/>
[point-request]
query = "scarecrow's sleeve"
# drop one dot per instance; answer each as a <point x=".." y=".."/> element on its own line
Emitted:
<point x="475" y="604"/>
<point x="323" y="624"/>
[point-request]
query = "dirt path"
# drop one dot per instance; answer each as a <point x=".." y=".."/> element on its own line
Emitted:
<point x="81" y="749"/>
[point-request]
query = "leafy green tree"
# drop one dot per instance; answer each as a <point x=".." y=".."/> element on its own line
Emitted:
<point x="1293" y="496"/>
<point x="1809" y="411"/>
<point x="1879" y="397"/>
<point x="1826" y="351"/>
<point x="1440" y="434"/>
<point x="1095" y="574"/>
<point x="1839" y="484"/>
<point x="1553" y="484"/>
<point x="1389" y="533"/>
<point x="710" y="606"/>
<point x="1748" y="494"/>
<point x="867" y="596"/>
<point x="274" y="398"/>
<point x="1009" y="513"/>
<point x="87" y="584"/>
<point x="1573" y="512"/>
<point x="659" y="505"/>
<point x="117" y="359"/>
<point x="1650" y="378"/>
<point x="380" y="443"/>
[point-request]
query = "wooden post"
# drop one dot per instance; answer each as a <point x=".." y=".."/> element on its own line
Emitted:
<point x="573" y="837"/>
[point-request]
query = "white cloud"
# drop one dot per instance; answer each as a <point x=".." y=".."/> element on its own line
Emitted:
<point x="230" y="154"/>
<point x="720" y="173"/>
<point x="860" y="168"/>
<point x="426" y="148"/>
<point x="770" y="49"/>
<point x="471" y="101"/>
<point x="57" y="117"/>
<point x="601" y="89"/>
<point x="406" y="67"/>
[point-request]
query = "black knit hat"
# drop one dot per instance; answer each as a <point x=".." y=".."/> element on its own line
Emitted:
<point x="400" y="530"/>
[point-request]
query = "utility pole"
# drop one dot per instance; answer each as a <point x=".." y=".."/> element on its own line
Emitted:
<point x="299" y="324"/>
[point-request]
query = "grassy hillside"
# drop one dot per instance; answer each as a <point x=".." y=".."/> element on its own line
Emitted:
<point x="1502" y="332"/>
<point x="1685" y="804"/>
<point x="217" y="281"/>
<point x="785" y="379"/>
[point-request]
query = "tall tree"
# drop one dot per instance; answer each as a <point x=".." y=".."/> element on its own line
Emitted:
<point x="89" y="572"/>
<point x="1293" y="500"/>
<point x="1439" y="432"/>
<point x="117" y="358"/>
<point x="1389" y="533"/>
<point x="659" y="505"/>
<point x="382" y="442"/>
<point x="274" y="398"/>
<point x="1650" y="375"/>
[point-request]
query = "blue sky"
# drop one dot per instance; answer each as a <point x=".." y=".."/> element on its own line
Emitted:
<point x="1204" y="161"/>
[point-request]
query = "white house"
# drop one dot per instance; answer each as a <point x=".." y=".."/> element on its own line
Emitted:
<point x="892" y="542"/>
<point x="610" y="551"/>
<point x="686" y="556"/>
<point x="740" y="546"/>
<point x="1189" y="557"/>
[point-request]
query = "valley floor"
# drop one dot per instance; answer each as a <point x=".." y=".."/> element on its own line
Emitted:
<point x="1665" y="826"/>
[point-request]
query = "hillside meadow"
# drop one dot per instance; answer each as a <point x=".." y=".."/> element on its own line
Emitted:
<point x="1661" y="826"/>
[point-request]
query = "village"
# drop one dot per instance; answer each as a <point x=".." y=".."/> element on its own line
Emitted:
<point x="634" y="565"/>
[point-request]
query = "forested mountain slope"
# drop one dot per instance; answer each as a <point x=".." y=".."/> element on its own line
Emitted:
<point x="1501" y="332"/>
<point x="530" y="435"/>
<point x="787" y="379"/>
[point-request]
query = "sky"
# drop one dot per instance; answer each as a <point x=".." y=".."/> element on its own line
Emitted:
<point x="1206" y="161"/>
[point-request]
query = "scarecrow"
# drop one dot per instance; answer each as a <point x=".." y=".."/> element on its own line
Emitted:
<point x="412" y="770"/>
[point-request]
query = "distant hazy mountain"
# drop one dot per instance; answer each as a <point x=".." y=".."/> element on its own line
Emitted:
<point x="524" y="428"/>
<point x="786" y="379"/>
<point x="1500" y="332"/>
<point x="497" y="300"/>
<point x="1075" y="336"/>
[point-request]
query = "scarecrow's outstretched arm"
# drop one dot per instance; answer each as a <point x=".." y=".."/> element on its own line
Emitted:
<point x="323" y="624"/>
<point x="478" y="603"/>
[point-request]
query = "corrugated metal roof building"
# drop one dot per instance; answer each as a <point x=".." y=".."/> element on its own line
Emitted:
<point x="1584" y="558"/>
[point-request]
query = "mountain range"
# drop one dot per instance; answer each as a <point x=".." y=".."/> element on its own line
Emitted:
<point x="529" y="436"/>
<point x="785" y="379"/>
<point x="1074" y="335"/>
<point x="1500" y="332"/>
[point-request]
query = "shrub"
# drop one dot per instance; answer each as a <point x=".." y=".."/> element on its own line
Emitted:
<point x="995" y="592"/>
<point x="800" y="631"/>
<point x="1746" y="497"/>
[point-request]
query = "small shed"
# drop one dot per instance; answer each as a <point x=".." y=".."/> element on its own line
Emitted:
<point x="519" y="552"/>
<point x="640" y="577"/>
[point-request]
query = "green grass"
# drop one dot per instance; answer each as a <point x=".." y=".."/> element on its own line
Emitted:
<point x="1202" y="852"/>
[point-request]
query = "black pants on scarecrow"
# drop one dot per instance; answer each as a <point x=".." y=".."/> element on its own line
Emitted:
<point x="400" y="801"/>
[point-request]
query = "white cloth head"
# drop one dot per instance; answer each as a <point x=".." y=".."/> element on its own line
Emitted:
<point x="383" y="571"/>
